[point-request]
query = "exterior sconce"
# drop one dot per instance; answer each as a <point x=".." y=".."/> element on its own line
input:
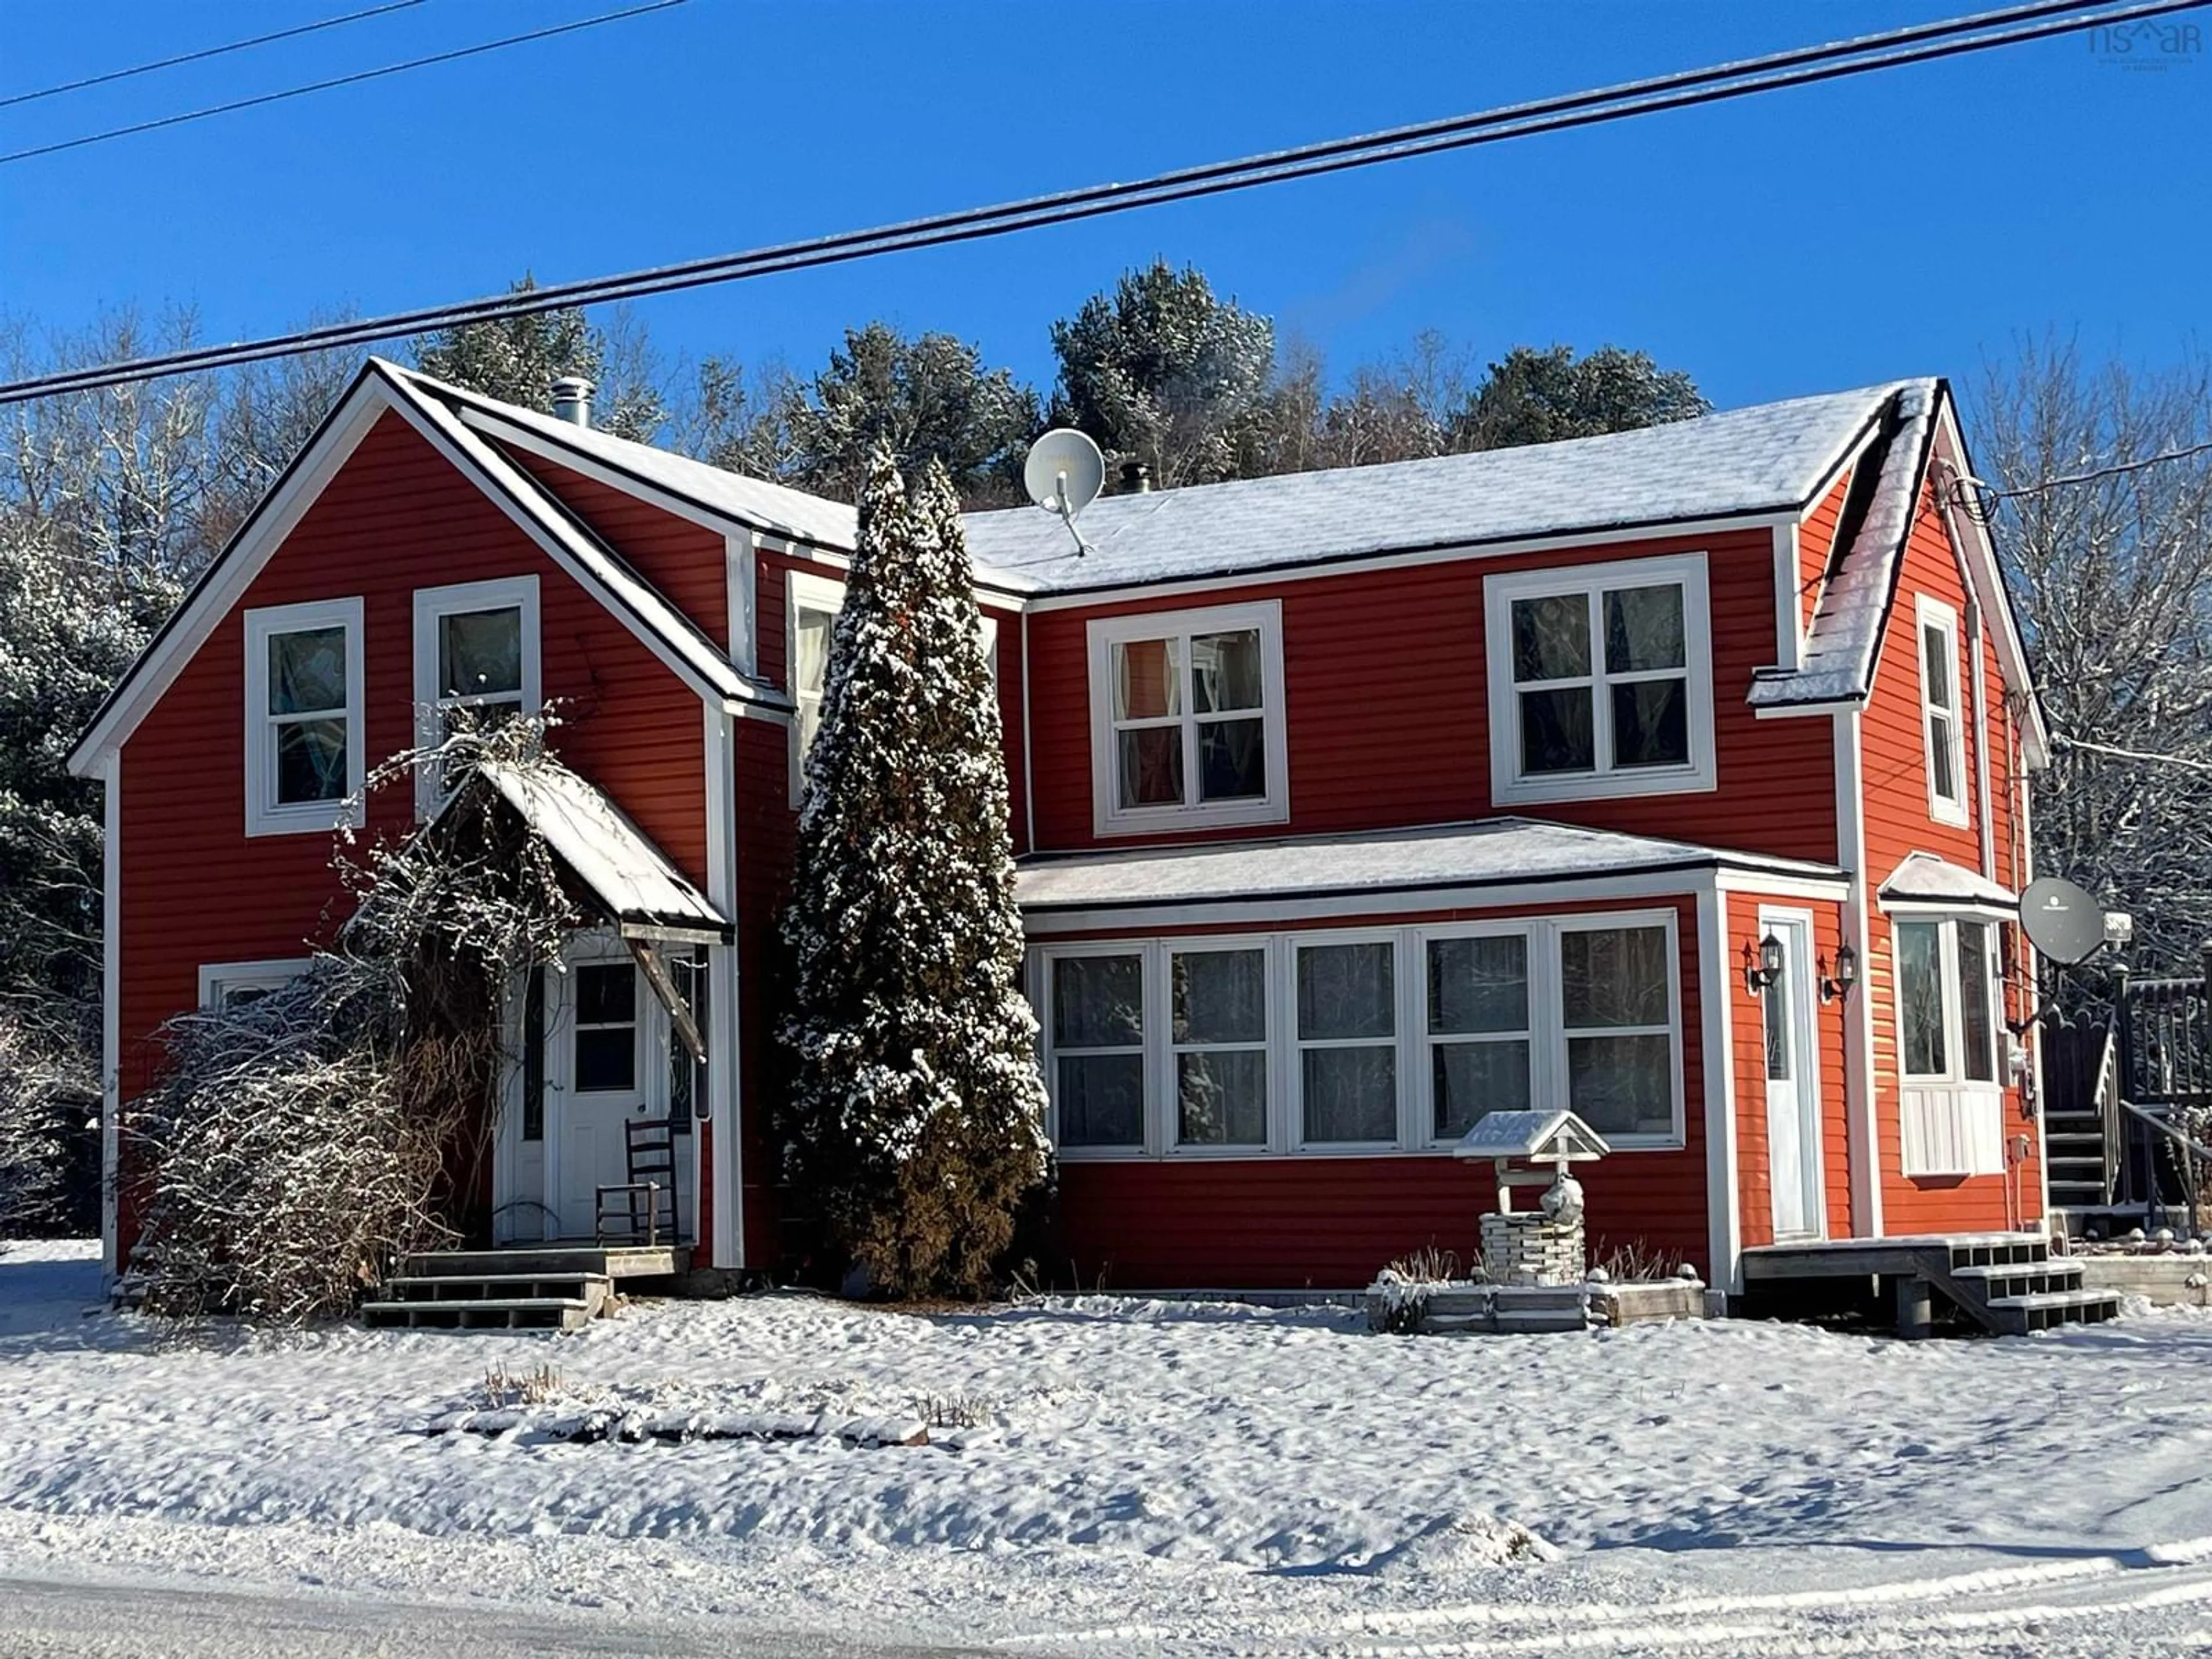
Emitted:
<point x="1759" y="974"/>
<point x="1840" y="983"/>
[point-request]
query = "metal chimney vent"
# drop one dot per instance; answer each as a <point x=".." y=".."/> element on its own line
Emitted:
<point x="571" y="399"/>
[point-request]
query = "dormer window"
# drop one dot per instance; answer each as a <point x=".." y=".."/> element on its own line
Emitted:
<point x="1187" y="719"/>
<point x="1601" y="681"/>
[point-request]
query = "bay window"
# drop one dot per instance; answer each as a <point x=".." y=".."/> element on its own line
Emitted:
<point x="305" y="748"/>
<point x="1942" y="728"/>
<point x="1949" y="1016"/>
<point x="1601" y="680"/>
<point x="1188" y="719"/>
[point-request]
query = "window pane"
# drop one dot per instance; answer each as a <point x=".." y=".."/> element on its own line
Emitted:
<point x="1478" y="984"/>
<point x="1979" y="1035"/>
<point x="1550" y="637"/>
<point x="1557" y="732"/>
<point x="1942" y="759"/>
<point x="1101" y="1099"/>
<point x="1644" y="629"/>
<point x="1613" y="976"/>
<point x="1224" y="671"/>
<point x="1098" y="1002"/>
<point x="1920" y="996"/>
<point x="1936" y="657"/>
<point x="1778" y="1011"/>
<point x="1220" y="996"/>
<point x="1347" y="991"/>
<point x="1475" y="1078"/>
<point x="1152" y="766"/>
<point x="606" y="993"/>
<point x="1622" y="1085"/>
<point x="1147" y="679"/>
<point x="809" y="723"/>
<point x="1652" y="723"/>
<point x="1351" y="1094"/>
<point x="809" y="661"/>
<point x="1222" y="1098"/>
<point x="606" y="1058"/>
<point x="480" y="651"/>
<point x="307" y="670"/>
<point x="1232" y="760"/>
<point x="311" y="762"/>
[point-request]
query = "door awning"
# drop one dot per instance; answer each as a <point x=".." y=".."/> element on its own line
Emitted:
<point x="1923" y="881"/>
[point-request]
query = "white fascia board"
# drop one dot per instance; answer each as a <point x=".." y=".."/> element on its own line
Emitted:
<point x="1362" y="564"/>
<point x="1796" y="711"/>
<point x="1978" y="555"/>
<point x="1783" y="884"/>
<point x="582" y="462"/>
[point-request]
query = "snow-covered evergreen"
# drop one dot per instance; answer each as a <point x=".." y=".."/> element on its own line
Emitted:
<point x="915" y="1121"/>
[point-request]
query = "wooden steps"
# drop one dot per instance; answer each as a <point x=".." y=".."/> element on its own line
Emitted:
<point x="2007" y="1283"/>
<point x="551" y="1287"/>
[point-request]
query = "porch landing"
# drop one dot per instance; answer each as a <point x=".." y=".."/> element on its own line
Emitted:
<point x="2006" y="1283"/>
<point x="561" y="1286"/>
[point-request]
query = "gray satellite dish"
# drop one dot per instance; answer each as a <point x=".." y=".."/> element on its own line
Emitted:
<point x="1064" y="474"/>
<point x="2062" y="921"/>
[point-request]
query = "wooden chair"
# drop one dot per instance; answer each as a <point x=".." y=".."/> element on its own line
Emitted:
<point x="645" y="1203"/>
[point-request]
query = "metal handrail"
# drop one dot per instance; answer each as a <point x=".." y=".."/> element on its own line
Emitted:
<point x="2192" y="1152"/>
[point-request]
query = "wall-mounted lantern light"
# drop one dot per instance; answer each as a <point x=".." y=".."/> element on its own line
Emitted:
<point x="1840" y="983"/>
<point x="1758" y="975"/>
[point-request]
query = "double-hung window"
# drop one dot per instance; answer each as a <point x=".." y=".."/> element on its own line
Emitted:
<point x="1347" y="1042"/>
<point x="1948" y="1017"/>
<point x="1187" y="719"/>
<point x="1478" y="1031"/>
<point x="476" y="662"/>
<point x="811" y="618"/>
<point x="1097" y="1036"/>
<point x="1616" y="1006"/>
<point x="1219" y="1034"/>
<point x="305" y="748"/>
<point x="1939" y="702"/>
<point x="1601" y="680"/>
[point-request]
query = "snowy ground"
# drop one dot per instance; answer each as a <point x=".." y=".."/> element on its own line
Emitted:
<point x="1153" y="1478"/>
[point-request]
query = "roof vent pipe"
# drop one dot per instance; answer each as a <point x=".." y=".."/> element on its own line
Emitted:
<point x="1136" y="478"/>
<point x="571" y="399"/>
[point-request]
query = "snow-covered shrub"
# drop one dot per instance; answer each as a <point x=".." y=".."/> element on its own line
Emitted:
<point x="49" y="1106"/>
<point x="914" y="1131"/>
<point x="297" y="1144"/>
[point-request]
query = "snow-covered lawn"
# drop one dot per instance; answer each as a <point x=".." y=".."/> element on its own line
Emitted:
<point x="1154" y="1477"/>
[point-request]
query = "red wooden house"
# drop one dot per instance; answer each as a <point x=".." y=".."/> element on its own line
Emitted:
<point x="1352" y="805"/>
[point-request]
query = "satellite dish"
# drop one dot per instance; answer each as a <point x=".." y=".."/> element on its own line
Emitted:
<point x="1064" y="474"/>
<point x="2062" y="921"/>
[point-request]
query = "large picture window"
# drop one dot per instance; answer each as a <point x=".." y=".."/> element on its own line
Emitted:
<point x="1601" y="680"/>
<point x="1938" y="699"/>
<point x="305" y="749"/>
<point x="476" y="661"/>
<point x="1188" y="719"/>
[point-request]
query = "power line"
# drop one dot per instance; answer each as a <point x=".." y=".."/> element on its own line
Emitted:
<point x="2097" y="474"/>
<point x="203" y="54"/>
<point x="355" y="79"/>
<point x="1800" y="66"/>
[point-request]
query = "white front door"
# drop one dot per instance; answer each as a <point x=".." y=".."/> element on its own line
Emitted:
<point x="1793" y="1090"/>
<point x="597" y="1078"/>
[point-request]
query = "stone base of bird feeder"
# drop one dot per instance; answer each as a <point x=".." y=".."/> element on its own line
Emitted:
<point x="1532" y="1249"/>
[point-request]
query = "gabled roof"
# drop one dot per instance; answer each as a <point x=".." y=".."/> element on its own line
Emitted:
<point x="380" y="388"/>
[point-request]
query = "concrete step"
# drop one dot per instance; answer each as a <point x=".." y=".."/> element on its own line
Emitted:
<point x="504" y="1313"/>
<point x="2019" y="1315"/>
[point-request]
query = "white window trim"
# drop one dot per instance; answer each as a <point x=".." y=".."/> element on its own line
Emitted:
<point x="1934" y="613"/>
<point x="1108" y="816"/>
<point x="1416" y="1093"/>
<point x="263" y="815"/>
<point x="1954" y="1074"/>
<point x="1507" y="786"/>
<point x="803" y="590"/>
<point x="219" y="979"/>
<point x="520" y="593"/>
<point x="1948" y="1109"/>
<point x="1168" y="1133"/>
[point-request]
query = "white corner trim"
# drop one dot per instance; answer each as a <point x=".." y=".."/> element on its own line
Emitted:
<point x="1507" y="786"/>
<point x="1724" y="1174"/>
<point x="1862" y="1123"/>
<point x="265" y="814"/>
<point x="266" y="974"/>
<point x="518" y="594"/>
<point x="724" y="1097"/>
<point x="1928" y="613"/>
<point x="741" y="582"/>
<point x="1102" y="633"/>
<point x="111" y="1011"/>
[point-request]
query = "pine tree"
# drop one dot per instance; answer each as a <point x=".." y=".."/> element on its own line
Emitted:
<point x="517" y="359"/>
<point x="1540" y="396"/>
<point x="915" y="1125"/>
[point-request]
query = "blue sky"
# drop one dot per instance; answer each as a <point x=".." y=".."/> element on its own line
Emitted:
<point x="1915" y="222"/>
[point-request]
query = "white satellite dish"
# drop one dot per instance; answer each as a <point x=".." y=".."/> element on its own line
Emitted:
<point x="1064" y="474"/>
<point x="2062" y="921"/>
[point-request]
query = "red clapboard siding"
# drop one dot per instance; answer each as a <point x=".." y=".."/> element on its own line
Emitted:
<point x="1746" y="1026"/>
<point x="195" y="890"/>
<point x="686" y="562"/>
<point x="1898" y="823"/>
<point x="1388" y="711"/>
<point x="1816" y="543"/>
<point x="1289" y="1222"/>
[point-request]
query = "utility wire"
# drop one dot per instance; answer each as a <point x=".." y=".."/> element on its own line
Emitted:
<point x="2100" y="473"/>
<point x="1800" y="66"/>
<point x="355" y="79"/>
<point x="205" y="52"/>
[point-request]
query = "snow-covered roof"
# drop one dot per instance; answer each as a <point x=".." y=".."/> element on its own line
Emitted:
<point x="1838" y="659"/>
<point x="1926" y="878"/>
<point x="609" y="854"/>
<point x="1494" y="852"/>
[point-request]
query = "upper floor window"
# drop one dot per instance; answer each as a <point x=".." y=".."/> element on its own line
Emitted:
<point x="1601" y="680"/>
<point x="1939" y="702"/>
<point x="813" y="603"/>
<point x="304" y="753"/>
<point x="1188" y="720"/>
<point x="475" y="649"/>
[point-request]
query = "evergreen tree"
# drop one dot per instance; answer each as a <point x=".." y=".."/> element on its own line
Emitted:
<point x="517" y="359"/>
<point x="915" y="1126"/>
<point x="1540" y="396"/>
<point x="1162" y="372"/>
